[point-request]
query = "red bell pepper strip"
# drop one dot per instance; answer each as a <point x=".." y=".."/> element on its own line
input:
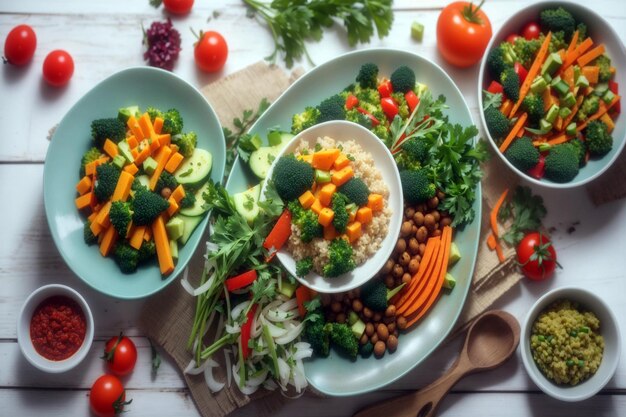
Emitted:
<point x="245" y="332"/>
<point x="389" y="107"/>
<point x="412" y="100"/>
<point x="351" y="102"/>
<point x="495" y="88"/>
<point x="303" y="294"/>
<point x="614" y="87"/>
<point x="385" y="89"/>
<point x="280" y="233"/>
<point x="538" y="170"/>
<point x="520" y="71"/>
<point x="241" y="280"/>
<point x="375" y="121"/>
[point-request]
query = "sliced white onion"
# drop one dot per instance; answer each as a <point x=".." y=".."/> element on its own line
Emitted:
<point x="248" y="390"/>
<point x="192" y="370"/>
<point x="298" y="376"/>
<point x="274" y="330"/>
<point x="279" y="315"/>
<point x="302" y="345"/>
<point x="291" y="335"/>
<point x="238" y="309"/>
<point x="289" y="305"/>
<point x="302" y="354"/>
<point x="213" y="385"/>
<point x="257" y="380"/>
<point x="185" y="282"/>
<point x="204" y="287"/>
<point x="232" y="329"/>
<point x="210" y="246"/>
<point x="269" y="384"/>
<point x="283" y="372"/>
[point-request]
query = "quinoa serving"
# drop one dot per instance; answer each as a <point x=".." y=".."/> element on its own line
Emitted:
<point x="371" y="234"/>
<point x="566" y="343"/>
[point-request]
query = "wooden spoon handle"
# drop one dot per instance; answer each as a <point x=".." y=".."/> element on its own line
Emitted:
<point x="422" y="403"/>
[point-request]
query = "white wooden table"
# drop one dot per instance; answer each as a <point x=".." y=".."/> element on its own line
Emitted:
<point x="104" y="37"/>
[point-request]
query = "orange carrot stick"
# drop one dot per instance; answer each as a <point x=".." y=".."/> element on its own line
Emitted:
<point x="493" y="216"/>
<point x="512" y="134"/>
<point x="590" y="56"/>
<point x="491" y="242"/>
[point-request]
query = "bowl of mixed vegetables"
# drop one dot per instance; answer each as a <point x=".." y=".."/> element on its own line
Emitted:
<point x="125" y="178"/>
<point x="549" y="94"/>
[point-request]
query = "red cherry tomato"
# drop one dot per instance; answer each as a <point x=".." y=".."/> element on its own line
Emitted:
<point x="107" y="396"/>
<point x="463" y="32"/>
<point x="536" y="256"/>
<point x="178" y="6"/>
<point x="58" y="68"/>
<point x="512" y="38"/>
<point x="390" y="108"/>
<point x="210" y="51"/>
<point x="20" y="45"/>
<point x="120" y="354"/>
<point x="531" y="31"/>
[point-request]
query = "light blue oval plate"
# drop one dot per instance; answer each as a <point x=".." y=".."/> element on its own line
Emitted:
<point x="335" y="375"/>
<point x="142" y="86"/>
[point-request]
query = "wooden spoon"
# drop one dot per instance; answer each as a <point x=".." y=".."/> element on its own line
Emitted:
<point x="491" y="340"/>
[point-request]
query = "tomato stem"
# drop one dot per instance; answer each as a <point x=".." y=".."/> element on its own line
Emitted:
<point x="471" y="14"/>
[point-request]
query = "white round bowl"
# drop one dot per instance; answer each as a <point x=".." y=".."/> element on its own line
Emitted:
<point x="601" y="32"/>
<point x="608" y="330"/>
<point x="342" y="131"/>
<point x="23" y="329"/>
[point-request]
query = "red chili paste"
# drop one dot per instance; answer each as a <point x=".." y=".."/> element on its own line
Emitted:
<point x="57" y="328"/>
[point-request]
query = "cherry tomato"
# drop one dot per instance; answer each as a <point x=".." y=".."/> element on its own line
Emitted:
<point x="107" y="396"/>
<point x="58" y="68"/>
<point x="512" y="38"/>
<point x="537" y="256"/>
<point x="390" y="108"/>
<point x="178" y="6"/>
<point x="210" y="51"/>
<point x="463" y="32"/>
<point x="20" y="45"/>
<point x="531" y="31"/>
<point x="120" y="354"/>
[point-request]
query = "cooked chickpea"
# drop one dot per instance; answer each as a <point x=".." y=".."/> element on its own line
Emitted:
<point x="418" y="218"/>
<point x="422" y="249"/>
<point x="325" y="299"/>
<point x="401" y="323"/>
<point x="398" y="271"/>
<point x="388" y="266"/>
<point x="433" y="202"/>
<point x="367" y="312"/>
<point x="341" y="318"/>
<point x="391" y="311"/>
<point x="379" y="349"/>
<point x="400" y="245"/>
<point x="166" y="192"/>
<point x="414" y="266"/>
<point x="374" y="339"/>
<point x="440" y="195"/>
<point x="377" y="317"/>
<point x="395" y="333"/>
<point x="357" y="305"/>
<point x="422" y="234"/>
<point x="409" y="212"/>
<point x="364" y="339"/>
<point x="436" y="233"/>
<point x="413" y="246"/>
<point x="436" y="215"/>
<point x="405" y="229"/>
<point x="382" y="332"/>
<point x="335" y="306"/>
<point x="429" y="221"/>
<point x="405" y="258"/>
<point x="369" y="329"/>
<point x="445" y="221"/>
<point x="391" y="326"/>
<point x="413" y="230"/>
<point x="357" y="292"/>
<point x="406" y="278"/>
<point x="390" y="281"/>
<point x="392" y="343"/>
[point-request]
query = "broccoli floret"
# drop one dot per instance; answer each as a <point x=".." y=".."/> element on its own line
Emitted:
<point x="339" y="259"/>
<point x="368" y="75"/>
<point x="147" y="250"/>
<point x="120" y="215"/>
<point x="557" y="42"/>
<point x="555" y="20"/>
<point x="106" y="181"/>
<point x="510" y="82"/>
<point x="375" y="109"/>
<point x="103" y="129"/>
<point x="88" y="235"/>
<point x="166" y="180"/>
<point x="497" y="123"/>
<point x="525" y="50"/>
<point x="496" y="62"/>
<point x="304" y="266"/>
<point x="604" y="63"/>
<point x="304" y="120"/>
<point x="367" y="95"/>
<point x="292" y="177"/>
<point x="413" y="156"/>
<point x="561" y="163"/>
<point x="189" y="199"/>
<point x="146" y="206"/>
<point x="403" y="107"/>
<point x="91" y="155"/>
<point x="316" y="333"/>
<point x="374" y="295"/>
<point x="590" y="105"/>
<point x="342" y="337"/>
<point x="580" y="148"/>
<point x="522" y="154"/>
<point x="582" y="31"/>
<point x="357" y="117"/>
<point x="403" y="79"/>
<point x="333" y="108"/>
<point x="186" y="143"/>
<point x="137" y="185"/>
<point x="341" y="215"/>
<point x="127" y="257"/>
<point x="383" y="134"/>
<point x="356" y="191"/>
<point x="153" y="112"/>
<point x="366" y="350"/>
<point x="172" y="122"/>
<point x="599" y="141"/>
<point x="416" y="186"/>
<point x="306" y="220"/>
<point x="533" y="105"/>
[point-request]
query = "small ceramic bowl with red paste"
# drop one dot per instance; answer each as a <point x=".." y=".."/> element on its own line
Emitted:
<point x="55" y="328"/>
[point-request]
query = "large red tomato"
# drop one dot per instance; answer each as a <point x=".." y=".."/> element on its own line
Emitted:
<point x="463" y="32"/>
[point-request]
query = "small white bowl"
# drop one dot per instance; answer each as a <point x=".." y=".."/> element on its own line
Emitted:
<point x="342" y="131"/>
<point x="23" y="329"/>
<point x="608" y="330"/>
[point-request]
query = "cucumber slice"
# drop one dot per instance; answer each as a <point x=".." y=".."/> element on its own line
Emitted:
<point x="190" y="222"/>
<point x="195" y="169"/>
<point x="143" y="180"/>
<point x="246" y="203"/>
<point x="261" y="160"/>
<point x="197" y="209"/>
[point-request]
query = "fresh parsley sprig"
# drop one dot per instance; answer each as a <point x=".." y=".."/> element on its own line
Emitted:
<point x="525" y="211"/>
